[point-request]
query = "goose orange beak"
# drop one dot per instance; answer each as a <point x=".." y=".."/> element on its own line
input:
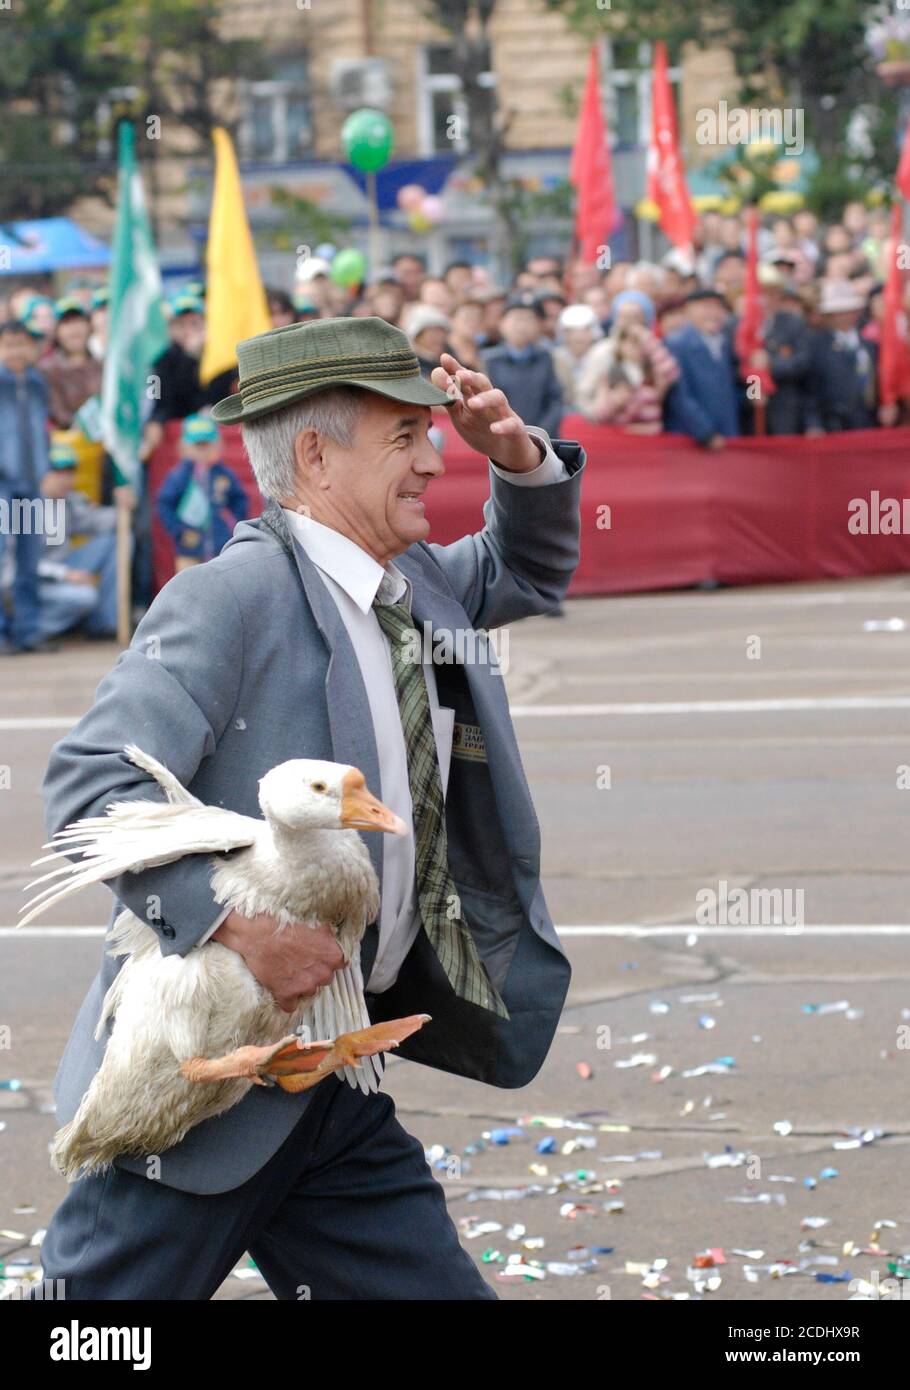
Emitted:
<point x="361" y="810"/>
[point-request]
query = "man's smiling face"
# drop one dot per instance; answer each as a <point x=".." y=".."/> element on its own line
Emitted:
<point x="373" y="491"/>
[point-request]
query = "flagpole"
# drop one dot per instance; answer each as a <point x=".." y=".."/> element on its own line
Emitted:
<point x="375" y="235"/>
<point x="137" y="337"/>
<point x="124" y="514"/>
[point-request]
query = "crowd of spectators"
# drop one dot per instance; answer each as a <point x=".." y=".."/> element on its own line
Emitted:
<point x="642" y="347"/>
<point x="649" y="346"/>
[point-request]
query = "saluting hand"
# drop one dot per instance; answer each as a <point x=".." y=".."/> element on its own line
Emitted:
<point x="483" y="417"/>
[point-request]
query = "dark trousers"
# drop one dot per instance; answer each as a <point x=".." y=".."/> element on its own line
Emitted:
<point x="346" y="1209"/>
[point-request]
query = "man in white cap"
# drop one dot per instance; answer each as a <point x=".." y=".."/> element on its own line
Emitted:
<point x="843" y="373"/>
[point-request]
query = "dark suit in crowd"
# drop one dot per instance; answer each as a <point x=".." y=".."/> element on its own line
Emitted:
<point x="706" y="398"/>
<point x="843" y="379"/>
<point x="788" y="343"/>
<point x="529" y="380"/>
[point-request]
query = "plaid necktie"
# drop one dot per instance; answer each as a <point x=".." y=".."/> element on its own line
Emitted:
<point x="440" y="907"/>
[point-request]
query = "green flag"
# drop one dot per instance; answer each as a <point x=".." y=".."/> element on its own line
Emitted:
<point x="137" y="332"/>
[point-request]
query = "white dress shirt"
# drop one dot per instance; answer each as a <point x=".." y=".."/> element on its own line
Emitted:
<point x="355" y="579"/>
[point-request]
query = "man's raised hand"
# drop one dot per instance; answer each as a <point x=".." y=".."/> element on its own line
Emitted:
<point x="483" y="417"/>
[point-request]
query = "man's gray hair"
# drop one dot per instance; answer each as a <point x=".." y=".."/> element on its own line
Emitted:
<point x="269" y="441"/>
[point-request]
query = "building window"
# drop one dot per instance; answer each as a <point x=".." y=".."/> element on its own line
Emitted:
<point x="627" y="79"/>
<point x="439" y="98"/>
<point x="276" y="126"/>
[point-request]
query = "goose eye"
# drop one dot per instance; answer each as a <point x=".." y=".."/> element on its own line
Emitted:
<point x="318" y="786"/>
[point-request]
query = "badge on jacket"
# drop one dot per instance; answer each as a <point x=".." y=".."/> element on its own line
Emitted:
<point x="467" y="743"/>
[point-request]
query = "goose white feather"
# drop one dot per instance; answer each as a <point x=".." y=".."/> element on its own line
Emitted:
<point x="304" y="862"/>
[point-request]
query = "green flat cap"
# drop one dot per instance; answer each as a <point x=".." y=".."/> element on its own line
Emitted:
<point x="290" y="363"/>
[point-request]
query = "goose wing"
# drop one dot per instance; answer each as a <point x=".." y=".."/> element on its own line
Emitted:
<point x="135" y="835"/>
<point x="173" y="789"/>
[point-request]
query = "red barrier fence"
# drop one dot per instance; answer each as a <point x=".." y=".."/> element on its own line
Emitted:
<point x="658" y="512"/>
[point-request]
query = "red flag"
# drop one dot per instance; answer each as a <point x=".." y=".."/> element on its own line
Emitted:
<point x="903" y="168"/>
<point x="666" y="174"/>
<point x="749" y="336"/>
<point x="894" y="350"/>
<point x="592" y="172"/>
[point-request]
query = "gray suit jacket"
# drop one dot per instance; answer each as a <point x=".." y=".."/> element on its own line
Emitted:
<point x="245" y="662"/>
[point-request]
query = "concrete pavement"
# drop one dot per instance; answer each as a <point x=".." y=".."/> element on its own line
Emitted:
<point x="673" y="743"/>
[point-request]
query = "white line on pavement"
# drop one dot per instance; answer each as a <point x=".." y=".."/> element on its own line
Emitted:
<point x="833" y="702"/>
<point x="53" y="721"/>
<point x="839" y="929"/>
<point x="614" y="929"/>
<point x="794" y="703"/>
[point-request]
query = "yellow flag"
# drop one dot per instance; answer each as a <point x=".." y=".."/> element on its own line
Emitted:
<point x="235" y="302"/>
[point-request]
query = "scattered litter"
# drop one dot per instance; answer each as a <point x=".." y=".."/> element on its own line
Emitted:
<point x="472" y="1229"/>
<point x="719" y="1067"/>
<point x="857" y="1137"/>
<point x="571" y="1210"/>
<point x="519" y="1269"/>
<point x="504" y="1136"/>
<point x="638" y="1059"/>
<point x="884" y="625"/>
<point x="783" y="1127"/>
<point x="763" y="1198"/>
<point x="581" y="1141"/>
<point x="708" y="1258"/>
<point x="725" y="1160"/>
<point x="584" y="1070"/>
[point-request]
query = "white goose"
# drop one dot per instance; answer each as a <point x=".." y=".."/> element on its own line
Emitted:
<point x="304" y="862"/>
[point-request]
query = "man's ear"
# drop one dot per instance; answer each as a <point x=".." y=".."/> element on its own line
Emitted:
<point x="310" y="459"/>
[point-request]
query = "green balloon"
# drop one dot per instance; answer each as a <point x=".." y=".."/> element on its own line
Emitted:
<point x="366" y="138"/>
<point x="349" y="267"/>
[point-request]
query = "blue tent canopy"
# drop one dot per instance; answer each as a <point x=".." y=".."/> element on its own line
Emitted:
<point x="50" y="243"/>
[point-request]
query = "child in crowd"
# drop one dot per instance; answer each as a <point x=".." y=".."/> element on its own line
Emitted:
<point x="78" y="575"/>
<point x="201" y="499"/>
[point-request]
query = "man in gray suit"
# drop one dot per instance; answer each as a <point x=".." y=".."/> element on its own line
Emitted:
<point x="283" y="647"/>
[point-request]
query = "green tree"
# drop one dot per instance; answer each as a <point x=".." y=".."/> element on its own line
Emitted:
<point x="467" y="25"/>
<point x="69" y="69"/>
<point x="807" y="54"/>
